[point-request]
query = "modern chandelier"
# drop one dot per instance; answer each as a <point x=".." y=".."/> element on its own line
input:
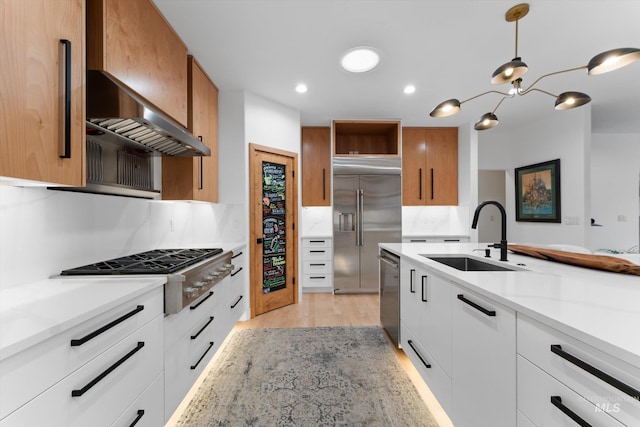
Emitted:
<point x="512" y="73"/>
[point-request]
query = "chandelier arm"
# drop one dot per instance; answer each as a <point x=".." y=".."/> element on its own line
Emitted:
<point x="525" y="91"/>
<point x="540" y="90"/>
<point x="484" y="93"/>
<point x="503" y="98"/>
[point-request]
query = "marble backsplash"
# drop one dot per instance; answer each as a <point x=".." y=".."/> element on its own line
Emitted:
<point x="45" y="231"/>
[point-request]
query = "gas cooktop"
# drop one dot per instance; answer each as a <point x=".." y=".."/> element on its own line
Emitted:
<point x="158" y="261"/>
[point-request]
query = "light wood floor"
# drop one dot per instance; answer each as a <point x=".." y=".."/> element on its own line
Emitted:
<point x="325" y="309"/>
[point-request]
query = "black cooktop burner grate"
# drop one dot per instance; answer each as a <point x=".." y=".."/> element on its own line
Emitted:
<point x="157" y="261"/>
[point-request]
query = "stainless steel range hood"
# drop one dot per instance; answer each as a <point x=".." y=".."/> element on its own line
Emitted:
<point x="117" y="115"/>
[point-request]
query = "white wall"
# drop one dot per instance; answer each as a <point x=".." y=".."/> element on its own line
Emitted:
<point x="491" y="186"/>
<point x="46" y="231"/>
<point x="564" y="135"/>
<point x="615" y="182"/>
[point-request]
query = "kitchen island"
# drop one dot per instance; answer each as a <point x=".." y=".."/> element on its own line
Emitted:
<point x="501" y="347"/>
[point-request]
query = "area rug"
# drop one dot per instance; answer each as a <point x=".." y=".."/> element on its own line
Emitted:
<point x="330" y="376"/>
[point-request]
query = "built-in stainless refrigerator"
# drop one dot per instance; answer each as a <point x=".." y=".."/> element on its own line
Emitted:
<point x="366" y="211"/>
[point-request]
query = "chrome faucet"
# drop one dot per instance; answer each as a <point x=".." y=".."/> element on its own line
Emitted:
<point x="503" y="242"/>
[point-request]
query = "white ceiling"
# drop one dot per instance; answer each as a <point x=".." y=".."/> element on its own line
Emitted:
<point x="446" y="48"/>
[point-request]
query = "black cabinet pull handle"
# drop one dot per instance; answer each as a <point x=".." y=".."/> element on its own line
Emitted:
<point x="317" y="277"/>
<point x="203" y="355"/>
<point x="625" y="388"/>
<point x="237" y="301"/>
<point x="80" y="341"/>
<point x="193" y="337"/>
<point x="138" y="418"/>
<point x="557" y="402"/>
<point x="317" y="265"/>
<point x="96" y="380"/>
<point x="431" y="183"/>
<point x="424" y="297"/>
<point x="316" y="241"/>
<point x="424" y="362"/>
<point x="196" y="305"/>
<point x="236" y="255"/>
<point x="66" y="154"/>
<point x="412" y="274"/>
<point x="317" y="252"/>
<point x="476" y="306"/>
<point x="200" y="179"/>
<point x="236" y="272"/>
<point x="420" y="183"/>
<point x="324" y="186"/>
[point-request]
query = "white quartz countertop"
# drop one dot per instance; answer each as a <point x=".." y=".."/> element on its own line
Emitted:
<point x="596" y="307"/>
<point x="36" y="311"/>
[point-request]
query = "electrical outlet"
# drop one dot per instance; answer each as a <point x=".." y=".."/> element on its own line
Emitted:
<point x="622" y="218"/>
<point x="571" y="220"/>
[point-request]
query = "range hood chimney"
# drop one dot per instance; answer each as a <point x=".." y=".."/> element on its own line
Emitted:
<point x="117" y="115"/>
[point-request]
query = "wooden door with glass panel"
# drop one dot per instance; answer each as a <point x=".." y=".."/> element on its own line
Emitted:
<point x="273" y="215"/>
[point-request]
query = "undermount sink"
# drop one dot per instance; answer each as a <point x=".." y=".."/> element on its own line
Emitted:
<point x="464" y="263"/>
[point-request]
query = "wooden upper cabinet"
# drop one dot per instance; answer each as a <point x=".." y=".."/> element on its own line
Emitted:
<point x="316" y="166"/>
<point x="366" y="137"/>
<point x="196" y="178"/>
<point x="131" y="41"/>
<point x="36" y="127"/>
<point x="429" y="166"/>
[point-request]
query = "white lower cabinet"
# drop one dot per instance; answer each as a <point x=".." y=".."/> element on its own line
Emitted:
<point x="147" y="410"/>
<point x="425" y="327"/>
<point x="483" y="366"/>
<point x="546" y="402"/>
<point x="317" y="265"/>
<point x="605" y="388"/>
<point x="97" y="393"/>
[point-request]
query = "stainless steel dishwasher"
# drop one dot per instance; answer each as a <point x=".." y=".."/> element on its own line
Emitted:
<point x="390" y="294"/>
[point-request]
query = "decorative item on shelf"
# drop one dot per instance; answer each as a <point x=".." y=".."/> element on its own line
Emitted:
<point x="538" y="192"/>
<point x="512" y="72"/>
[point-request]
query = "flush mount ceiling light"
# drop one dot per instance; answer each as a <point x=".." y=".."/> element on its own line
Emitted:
<point x="360" y="59"/>
<point x="301" y="88"/>
<point x="513" y="71"/>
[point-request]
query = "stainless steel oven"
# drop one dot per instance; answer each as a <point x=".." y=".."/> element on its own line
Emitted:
<point x="389" y="273"/>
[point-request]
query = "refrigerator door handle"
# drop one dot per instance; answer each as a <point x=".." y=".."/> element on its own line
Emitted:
<point x="360" y="216"/>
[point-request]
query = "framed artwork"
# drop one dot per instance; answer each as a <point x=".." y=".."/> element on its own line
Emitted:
<point x="538" y="192"/>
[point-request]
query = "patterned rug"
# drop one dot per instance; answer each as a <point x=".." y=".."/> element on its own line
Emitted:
<point x="331" y="376"/>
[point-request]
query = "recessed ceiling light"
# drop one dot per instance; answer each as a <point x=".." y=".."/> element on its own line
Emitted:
<point x="301" y="88"/>
<point x="409" y="89"/>
<point x="360" y="59"/>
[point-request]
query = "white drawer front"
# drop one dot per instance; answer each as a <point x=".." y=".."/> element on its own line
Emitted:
<point x="535" y="391"/>
<point x="176" y="325"/>
<point x="147" y="410"/>
<point x="184" y="363"/>
<point x="320" y="280"/>
<point x="316" y="243"/>
<point x="312" y="254"/>
<point x="438" y="381"/>
<point x="29" y="373"/>
<point x="317" y="267"/>
<point x="534" y="343"/>
<point x="106" y="394"/>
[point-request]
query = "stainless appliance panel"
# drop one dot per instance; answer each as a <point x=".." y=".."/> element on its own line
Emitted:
<point x="381" y="223"/>
<point x="390" y="294"/>
<point x="346" y="256"/>
<point x="367" y="211"/>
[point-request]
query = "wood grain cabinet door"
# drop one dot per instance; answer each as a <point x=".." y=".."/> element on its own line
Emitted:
<point x="442" y="166"/>
<point x="429" y="166"/>
<point x="196" y="178"/>
<point x="42" y="82"/>
<point x="414" y="165"/>
<point x="316" y="166"/>
<point x="132" y="41"/>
